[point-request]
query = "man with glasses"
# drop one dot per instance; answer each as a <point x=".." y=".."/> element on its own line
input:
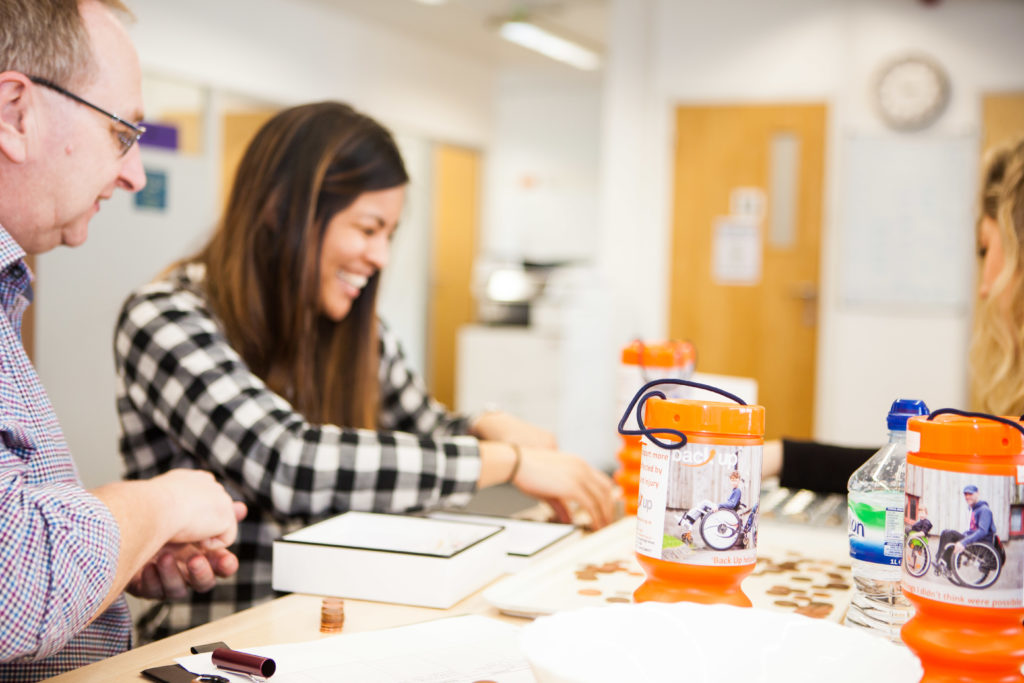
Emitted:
<point x="70" y="107"/>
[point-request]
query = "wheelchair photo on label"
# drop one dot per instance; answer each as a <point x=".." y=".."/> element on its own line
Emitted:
<point x="916" y="556"/>
<point x="973" y="559"/>
<point x="976" y="565"/>
<point x="720" y="528"/>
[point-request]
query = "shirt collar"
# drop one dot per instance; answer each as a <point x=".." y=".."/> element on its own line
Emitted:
<point x="10" y="251"/>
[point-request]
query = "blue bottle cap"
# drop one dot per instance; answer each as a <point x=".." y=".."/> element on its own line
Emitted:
<point x="902" y="410"/>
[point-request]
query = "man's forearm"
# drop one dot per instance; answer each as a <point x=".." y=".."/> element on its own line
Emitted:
<point x="179" y="506"/>
<point x="142" y="512"/>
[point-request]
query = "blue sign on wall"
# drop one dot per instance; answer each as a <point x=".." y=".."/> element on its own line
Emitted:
<point x="154" y="194"/>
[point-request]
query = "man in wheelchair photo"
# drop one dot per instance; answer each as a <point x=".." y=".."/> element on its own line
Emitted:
<point x="982" y="530"/>
<point x="719" y="532"/>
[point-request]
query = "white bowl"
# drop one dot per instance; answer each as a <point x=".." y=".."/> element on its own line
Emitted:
<point x="706" y="643"/>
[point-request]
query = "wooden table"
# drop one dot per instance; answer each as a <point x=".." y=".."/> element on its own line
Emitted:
<point x="292" y="619"/>
<point x="296" y="618"/>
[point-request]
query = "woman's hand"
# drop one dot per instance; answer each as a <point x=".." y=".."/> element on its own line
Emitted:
<point x="556" y="477"/>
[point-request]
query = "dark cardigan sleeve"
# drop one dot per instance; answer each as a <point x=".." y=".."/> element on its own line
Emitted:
<point x="819" y="467"/>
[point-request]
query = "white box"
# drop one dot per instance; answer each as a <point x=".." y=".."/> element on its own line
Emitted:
<point x="525" y="540"/>
<point x="389" y="558"/>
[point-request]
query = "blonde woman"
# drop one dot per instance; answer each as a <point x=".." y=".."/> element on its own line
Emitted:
<point x="997" y="347"/>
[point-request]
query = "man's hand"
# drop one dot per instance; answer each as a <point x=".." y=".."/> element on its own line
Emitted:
<point x="179" y="567"/>
<point x="199" y="507"/>
<point x="958" y="547"/>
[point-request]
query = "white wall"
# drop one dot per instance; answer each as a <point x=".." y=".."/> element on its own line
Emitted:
<point x="290" y="51"/>
<point x="669" y="52"/>
<point x="80" y="291"/>
<point x="541" y="203"/>
<point x="402" y="301"/>
<point x="542" y="170"/>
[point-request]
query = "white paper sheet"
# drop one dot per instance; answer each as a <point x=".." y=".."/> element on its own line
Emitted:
<point x="456" y="649"/>
<point x="736" y="252"/>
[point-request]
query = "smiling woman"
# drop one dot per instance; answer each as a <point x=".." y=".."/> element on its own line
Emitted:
<point x="262" y="360"/>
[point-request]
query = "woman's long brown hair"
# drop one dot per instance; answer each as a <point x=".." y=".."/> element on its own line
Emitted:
<point x="262" y="263"/>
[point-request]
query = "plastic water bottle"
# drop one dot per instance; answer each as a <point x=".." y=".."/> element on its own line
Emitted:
<point x="875" y="502"/>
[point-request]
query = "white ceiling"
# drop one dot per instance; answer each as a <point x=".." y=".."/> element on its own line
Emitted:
<point x="469" y="27"/>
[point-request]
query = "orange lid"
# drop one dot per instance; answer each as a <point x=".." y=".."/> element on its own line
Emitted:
<point x="710" y="417"/>
<point x="959" y="435"/>
<point x="666" y="354"/>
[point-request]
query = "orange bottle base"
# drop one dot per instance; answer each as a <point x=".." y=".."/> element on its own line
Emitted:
<point x="960" y="644"/>
<point x="674" y="582"/>
<point x="663" y="591"/>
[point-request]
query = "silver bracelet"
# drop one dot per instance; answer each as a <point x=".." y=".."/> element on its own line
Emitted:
<point x="515" y="467"/>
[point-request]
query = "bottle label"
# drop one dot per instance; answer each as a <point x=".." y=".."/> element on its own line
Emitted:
<point x="698" y="504"/>
<point x="958" y="547"/>
<point x="876" y="528"/>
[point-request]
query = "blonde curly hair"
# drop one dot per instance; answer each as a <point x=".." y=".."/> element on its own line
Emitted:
<point x="997" y="344"/>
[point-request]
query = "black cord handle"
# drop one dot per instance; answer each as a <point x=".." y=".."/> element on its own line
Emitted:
<point x="983" y="416"/>
<point x="640" y="403"/>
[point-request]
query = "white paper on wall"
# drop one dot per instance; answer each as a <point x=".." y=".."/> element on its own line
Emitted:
<point x="736" y="252"/>
<point x="906" y="229"/>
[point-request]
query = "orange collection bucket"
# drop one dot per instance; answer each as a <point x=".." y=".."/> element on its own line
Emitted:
<point x="698" y="493"/>
<point x="965" y="474"/>
<point x="642" y="362"/>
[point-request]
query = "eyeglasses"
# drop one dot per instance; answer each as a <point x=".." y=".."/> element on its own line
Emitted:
<point x="125" y="138"/>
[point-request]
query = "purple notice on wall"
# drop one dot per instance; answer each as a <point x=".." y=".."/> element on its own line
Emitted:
<point x="160" y="135"/>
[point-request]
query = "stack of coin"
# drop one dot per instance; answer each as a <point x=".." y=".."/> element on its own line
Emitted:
<point x="332" y="615"/>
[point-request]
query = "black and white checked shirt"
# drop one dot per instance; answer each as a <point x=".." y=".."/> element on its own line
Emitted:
<point x="185" y="398"/>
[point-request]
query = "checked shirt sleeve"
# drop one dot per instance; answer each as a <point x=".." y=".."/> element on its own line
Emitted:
<point x="405" y="403"/>
<point x="58" y="553"/>
<point x="186" y="399"/>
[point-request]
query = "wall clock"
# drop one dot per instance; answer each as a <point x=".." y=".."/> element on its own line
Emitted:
<point x="911" y="92"/>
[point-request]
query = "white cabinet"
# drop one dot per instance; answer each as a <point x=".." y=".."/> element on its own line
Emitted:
<point x="560" y="378"/>
<point x="515" y="369"/>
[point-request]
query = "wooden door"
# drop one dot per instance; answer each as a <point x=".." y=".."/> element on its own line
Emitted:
<point x="239" y="128"/>
<point x="455" y="214"/>
<point x="745" y="249"/>
<point x="1002" y="118"/>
